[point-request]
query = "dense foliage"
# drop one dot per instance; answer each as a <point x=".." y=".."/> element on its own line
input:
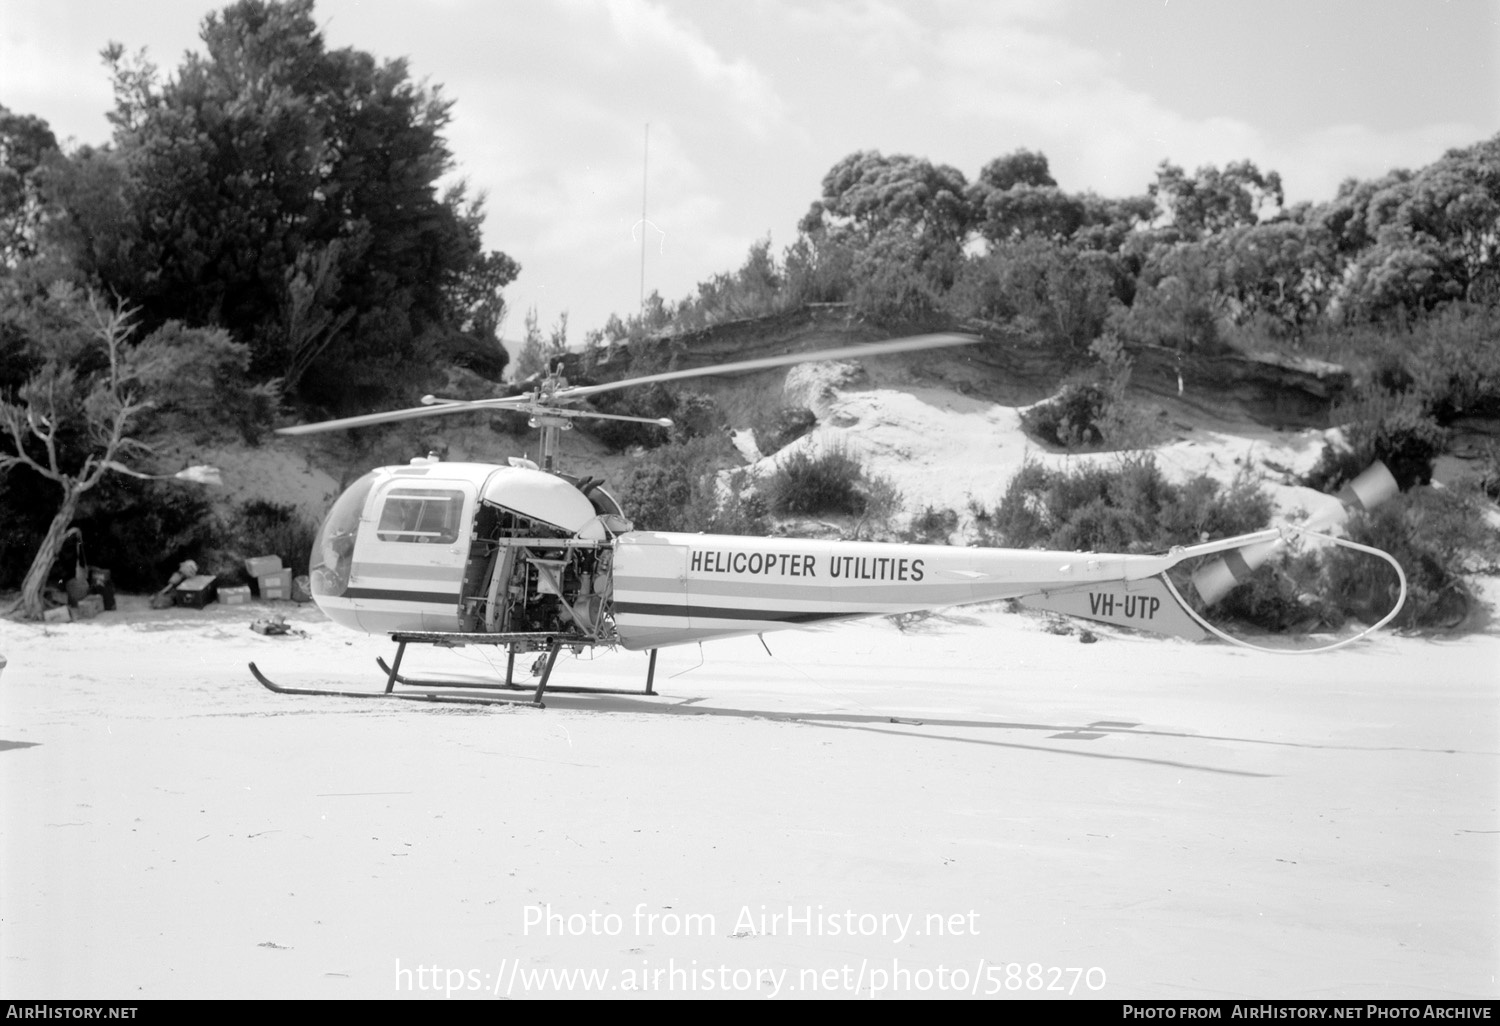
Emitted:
<point x="1197" y="261"/>
<point x="276" y="189"/>
<point x="1129" y="506"/>
<point x="676" y="487"/>
<point x="831" y="482"/>
<point x="269" y="224"/>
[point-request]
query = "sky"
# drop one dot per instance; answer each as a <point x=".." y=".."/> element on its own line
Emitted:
<point x="719" y="120"/>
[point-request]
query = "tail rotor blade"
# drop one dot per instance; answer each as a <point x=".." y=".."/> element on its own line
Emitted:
<point x="1374" y="485"/>
<point x="1218" y="578"/>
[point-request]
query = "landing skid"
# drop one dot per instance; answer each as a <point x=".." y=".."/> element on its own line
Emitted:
<point x="282" y="689"/>
<point x="551" y="643"/>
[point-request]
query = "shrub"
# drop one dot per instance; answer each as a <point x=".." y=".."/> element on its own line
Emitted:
<point x="1437" y="535"/>
<point x="1454" y="362"/>
<point x="676" y="488"/>
<point x="931" y="526"/>
<point x="1285" y="594"/>
<point x="1127" y="507"/>
<point x="140" y="531"/>
<point x="1394" y="428"/>
<point x="1450" y="358"/>
<point x="755" y="290"/>
<point x="829" y="483"/>
<point x="696" y="415"/>
<point x="899" y="281"/>
<point x="1058" y="294"/>
<point x="646" y="401"/>
<point x="818" y="270"/>
<point x="1092" y="412"/>
<point x="264" y="528"/>
<point x="882" y="502"/>
<point x="1177" y="302"/>
<point x="1072" y="419"/>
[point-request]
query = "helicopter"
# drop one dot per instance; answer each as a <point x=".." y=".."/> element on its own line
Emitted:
<point x="533" y="559"/>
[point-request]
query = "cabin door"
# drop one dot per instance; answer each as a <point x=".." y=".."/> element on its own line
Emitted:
<point x="410" y="556"/>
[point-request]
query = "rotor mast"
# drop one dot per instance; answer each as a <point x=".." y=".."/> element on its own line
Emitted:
<point x="552" y="428"/>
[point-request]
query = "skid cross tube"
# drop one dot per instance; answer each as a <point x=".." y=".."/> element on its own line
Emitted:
<point x="552" y="644"/>
<point x="549" y="644"/>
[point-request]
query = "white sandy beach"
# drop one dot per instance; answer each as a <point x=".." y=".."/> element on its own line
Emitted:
<point x="965" y="806"/>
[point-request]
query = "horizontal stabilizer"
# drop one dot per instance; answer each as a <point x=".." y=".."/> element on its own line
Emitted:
<point x="1147" y="605"/>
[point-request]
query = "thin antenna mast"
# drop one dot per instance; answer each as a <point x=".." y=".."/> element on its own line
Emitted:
<point x="645" y="164"/>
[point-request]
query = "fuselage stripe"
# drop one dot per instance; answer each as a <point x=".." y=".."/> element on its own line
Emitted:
<point x="724" y="613"/>
<point x="396" y="595"/>
<point x="409" y="572"/>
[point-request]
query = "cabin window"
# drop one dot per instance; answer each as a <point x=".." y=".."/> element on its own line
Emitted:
<point x="419" y="515"/>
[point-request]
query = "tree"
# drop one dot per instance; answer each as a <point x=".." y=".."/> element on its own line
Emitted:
<point x="61" y="414"/>
<point x="903" y="221"/>
<point x="25" y="145"/>
<point x="1016" y="197"/>
<point x="1284" y="271"/>
<point x="1213" y="200"/>
<point x="532" y="359"/>
<point x="754" y="289"/>
<point x="1178" y="302"/>
<point x="1110" y="223"/>
<point x="1027" y="210"/>
<point x="867" y="193"/>
<point x="557" y="340"/>
<point x="90" y="233"/>
<point x="288" y="192"/>
<point x="897" y="282"/>
<point x="1023" y="167"/>
<point x="1402" y="275"/>
<point x="1413" y="241"/>
<point x="1060" y="294"/>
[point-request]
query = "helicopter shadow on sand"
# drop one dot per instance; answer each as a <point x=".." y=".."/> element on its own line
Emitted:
<point x="902" y="726"/>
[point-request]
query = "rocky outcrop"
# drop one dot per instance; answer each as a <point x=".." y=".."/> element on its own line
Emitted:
<point x="1272" y="390"/>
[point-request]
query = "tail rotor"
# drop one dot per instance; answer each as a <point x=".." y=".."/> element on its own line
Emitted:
<point x="1218" y="578"/>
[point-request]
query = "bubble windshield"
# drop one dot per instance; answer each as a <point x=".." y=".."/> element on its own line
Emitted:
<point x="333" y="552"/>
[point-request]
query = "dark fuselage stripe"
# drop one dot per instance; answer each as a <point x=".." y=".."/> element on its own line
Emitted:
<point x="394" y="595"/>
<point x="726" y="613"/>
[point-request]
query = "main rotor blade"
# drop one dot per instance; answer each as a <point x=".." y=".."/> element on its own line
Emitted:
<point x="438" y="409"/>
<point x="530" y="403"/>
<point x="895" y="345"/>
